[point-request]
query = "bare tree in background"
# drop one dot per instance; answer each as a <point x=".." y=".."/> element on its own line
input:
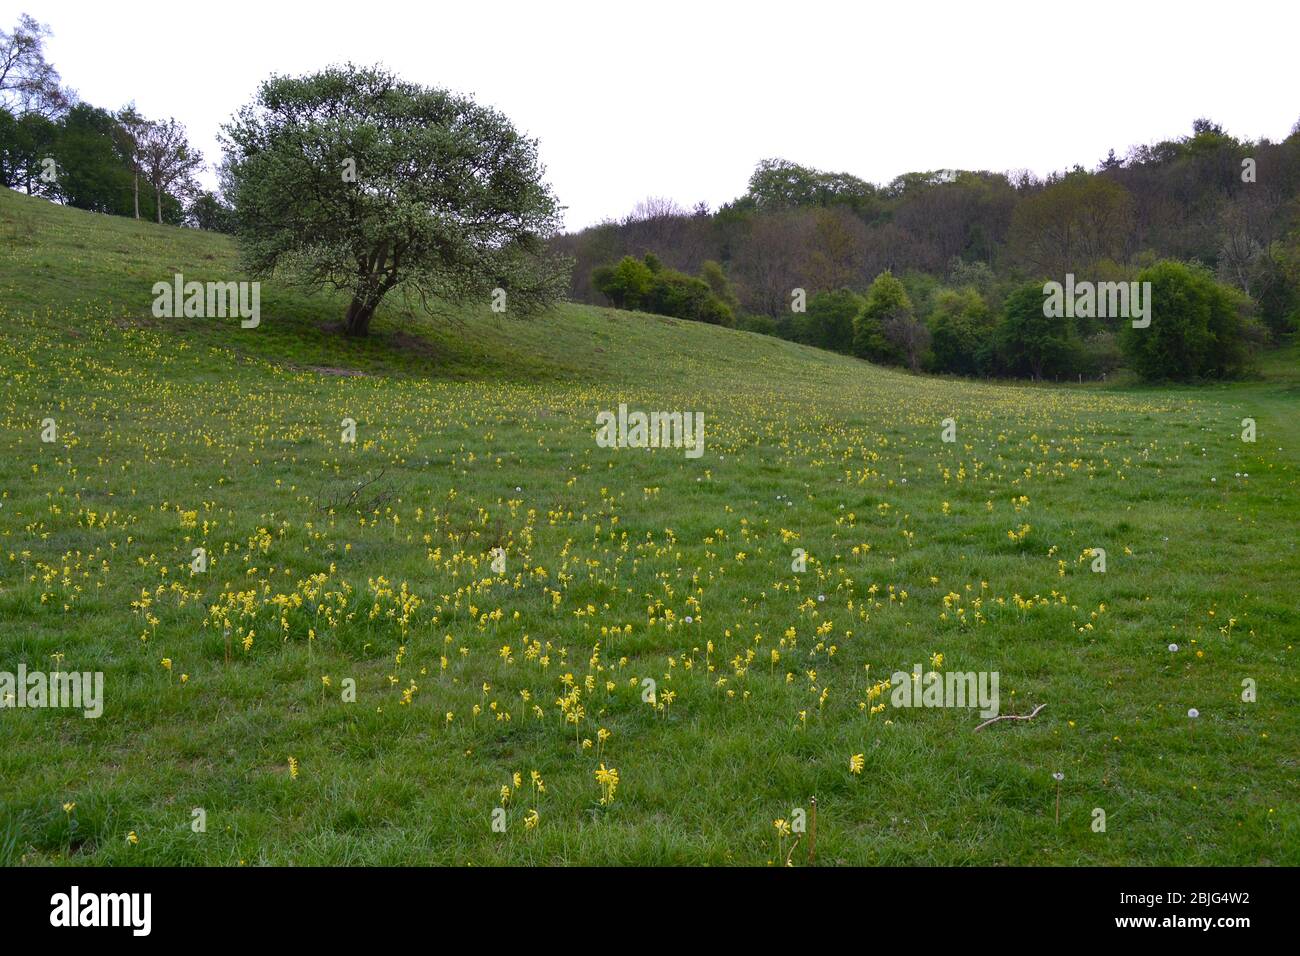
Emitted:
<point x="1247" y="235"/>
<point x="654" y="207"/>
<point x="659" y="225"/>
<point x="29" y="84"/>
<point x="772" y="260"/>
<point x="166" y="159"/>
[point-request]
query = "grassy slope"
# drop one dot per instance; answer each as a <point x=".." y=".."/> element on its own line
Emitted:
<point x="180" y="433"/>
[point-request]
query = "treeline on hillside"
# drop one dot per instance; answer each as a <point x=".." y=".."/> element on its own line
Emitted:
<point x="119" y="163"/>
<point x="934" y="261"/>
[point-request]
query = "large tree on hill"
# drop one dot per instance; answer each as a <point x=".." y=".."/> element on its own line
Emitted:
<point x="353" y="178"/>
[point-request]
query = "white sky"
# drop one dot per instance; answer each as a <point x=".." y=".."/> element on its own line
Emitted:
<point x="681" y="99"/>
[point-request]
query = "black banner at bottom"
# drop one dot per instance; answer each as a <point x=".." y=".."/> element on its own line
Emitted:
<point x="335" y="905"/>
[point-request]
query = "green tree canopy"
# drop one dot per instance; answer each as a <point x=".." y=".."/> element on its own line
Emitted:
<point x="959" y="325"/>
<point x="887" y="303"/>
<point x="353" y="178"/>
<point x="626" y="284"/>
<point x="830" y="319"/>
<point x="1196" y="331"/>
<point x="1030" y="342"/>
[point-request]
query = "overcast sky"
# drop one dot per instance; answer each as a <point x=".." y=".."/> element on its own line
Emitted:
<point x="681" y="99"/>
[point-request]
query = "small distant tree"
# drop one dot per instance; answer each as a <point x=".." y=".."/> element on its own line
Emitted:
<point x="761" y="324"/>
<point x="131" y="127"/>
<point x="655" y="207"/>
<point x="886" y="311"/>
<point x="626" y="284"/>
<point x="167" y="160"/>
<point x="973" y="275"/>
<point x="909" y="336"/>
<point x="353" y="178"/>
<point x="712" y="273"/>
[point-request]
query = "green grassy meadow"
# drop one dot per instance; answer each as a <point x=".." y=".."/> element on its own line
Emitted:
<point x="371" y="562"/>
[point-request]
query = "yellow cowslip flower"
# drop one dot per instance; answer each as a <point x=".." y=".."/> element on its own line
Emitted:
<point x="293" y="767"/>
<point x="608" y="780"/>
<point x="857" y="762"/>
<point x="530" y="820"/>
<point x="132" y="839"/>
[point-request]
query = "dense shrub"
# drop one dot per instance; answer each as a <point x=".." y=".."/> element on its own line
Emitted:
<point x="887" y="304"/>
<point x="959" y="324"/>
<point x="646" y="284"/>
<point x="1197" y="331"/>
<point x="762" y="324"/>
<point x="1030" y="343"/>
<point x="830" y="318"/>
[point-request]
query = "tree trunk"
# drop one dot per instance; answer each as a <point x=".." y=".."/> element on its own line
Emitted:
<point x="137" y="194"/>
<point x="357" y="323"/>
<point x="158" y="193"/>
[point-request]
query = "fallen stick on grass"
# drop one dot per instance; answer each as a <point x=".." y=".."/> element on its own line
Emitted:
<point x="1029" y="716"/>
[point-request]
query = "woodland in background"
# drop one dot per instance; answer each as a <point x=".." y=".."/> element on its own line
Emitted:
<point x="932" y="260"/>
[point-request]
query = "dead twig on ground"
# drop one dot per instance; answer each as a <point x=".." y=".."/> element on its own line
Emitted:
<point x="1029" y="716"/>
